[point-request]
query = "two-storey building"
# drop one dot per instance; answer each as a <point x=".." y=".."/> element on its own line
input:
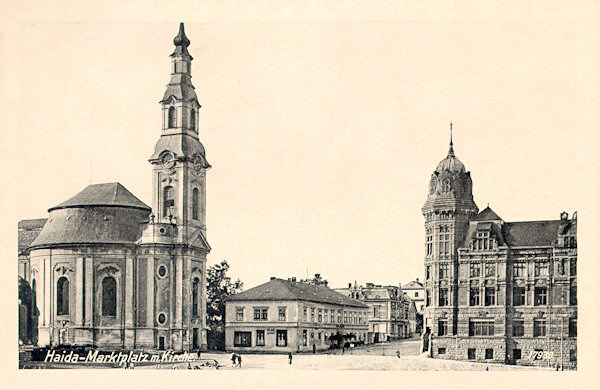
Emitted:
<point x="285" y="315"/>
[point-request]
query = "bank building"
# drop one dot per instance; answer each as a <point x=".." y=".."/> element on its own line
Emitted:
<point x="105" y="269"/>
<point x="496" y="291"/>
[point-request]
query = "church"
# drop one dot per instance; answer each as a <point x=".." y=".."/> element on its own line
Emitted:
<point x="105" y="269"/>
<point x="496" y="291"/>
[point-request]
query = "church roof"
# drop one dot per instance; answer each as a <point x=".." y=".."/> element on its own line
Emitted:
<point x="486" y="214"/>
<point x="105" y="194"/>
<point x="286" y="290"/>
<point x="29" y="229"/>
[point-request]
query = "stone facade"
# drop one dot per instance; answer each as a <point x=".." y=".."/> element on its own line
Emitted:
<point x="109" y="271"/>
<point x="292" y="316"/>
<point x="496" y="291"/>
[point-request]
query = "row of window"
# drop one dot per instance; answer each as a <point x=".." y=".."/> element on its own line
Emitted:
<point x="519" y="269"/>
<point x="329" y="316"/>
<point x="540" y="296"/>
<point x="486" y="327"/>
<point x="109" y="295"/>
<point x="169" y="202"/>
<point x="516" y="354"/>
<point x="172" y="119"/>
<point x="244" y="339"/>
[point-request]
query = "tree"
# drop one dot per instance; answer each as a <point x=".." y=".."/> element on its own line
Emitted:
<point x="218" y="287"/>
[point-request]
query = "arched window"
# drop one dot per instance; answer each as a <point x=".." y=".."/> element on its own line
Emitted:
<point x="109" y="296"/>
<point x="193" y="120"/>
<point x="195" y="294"/>
<point x="62" y="296"/>
<point x="168" y="201"/>
<point x="172" y="122"/>
<point x="195" y="203"/>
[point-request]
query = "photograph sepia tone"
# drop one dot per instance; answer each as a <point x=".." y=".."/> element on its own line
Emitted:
<point x="305" y="193"/>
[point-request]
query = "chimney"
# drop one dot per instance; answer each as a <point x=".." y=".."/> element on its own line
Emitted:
<point x="349" y="285"/>
<point x="417" y="280"/>
<point x="273" y="278"/>
<point x="294" y="279"/>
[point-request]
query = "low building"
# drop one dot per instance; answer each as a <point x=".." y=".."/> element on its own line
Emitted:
<point x="285" y="315"/>
<point x="416" y="291"/>
<point x="392" y="314"/>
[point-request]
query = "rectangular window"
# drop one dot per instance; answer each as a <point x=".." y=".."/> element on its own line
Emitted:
<point x="427" y="298"/>
<point x="376" y="311"/>
<point x="516" y="354"/>
<point x="429" y="243"/>
<point x="541" y="268"/>
<point x="474" y="296"/>
<point x="427" y="272"/>
<point x="442" y="327"/>
<point x="312" y="314"/>
<point x="305" y="314"/>
<point x="572" y="327"/>
<point x="443" y="301"/>
<point x="475" y="270"/>
<point x="519" y="269"/>
<point x="540" y="296"/>
<point x="282" y="314"/>
<point x="320" y="315"/>
<point x="481" y="328"/>
<point x="519" y="296"/>
<point x="573" y="355"/>
<point x="281" y="338"/>
<point x="260" y="338"/>
<point x="490" y="269"/>
<point x="242" y="339"/>
<point x="345" y="317"/>
<point x="518" y="329"/>
<point x="573" y="267"/>
<point x="490" y="296"/>
<point x="444" y="268"/>
<point x="471" y="353"/>
<point x="489" y="353"/>
<point x="539" y="328"/>
<point x="573" y="295"/>
<point x="441" y="351"/>
<point x="339" y="317"/>
<point x="256" y="314"/>
<point x="239" y="314"/>
<point x="305" y="338"/>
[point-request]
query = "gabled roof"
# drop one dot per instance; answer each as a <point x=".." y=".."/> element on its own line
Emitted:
<point x="105" y="194"/>
<point x="286" y="290"/>
<point x="29" y="229"/>
<point x="486" y="214"/>
<point x="413" y="285"/>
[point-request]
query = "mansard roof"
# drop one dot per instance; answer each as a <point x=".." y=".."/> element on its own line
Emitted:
<point x="105" y="194"/>
<point x="286" y="290"/>
<point x="531" y="233"/>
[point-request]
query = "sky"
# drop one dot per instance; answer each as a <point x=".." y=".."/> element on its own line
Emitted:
<point x="322" y="132"/>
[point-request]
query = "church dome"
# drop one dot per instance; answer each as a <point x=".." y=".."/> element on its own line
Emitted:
<point x="100" y="214"/>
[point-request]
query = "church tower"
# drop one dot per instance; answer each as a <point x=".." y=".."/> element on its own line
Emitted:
<point x="175" y="238"/>
<point x="447" y="212"/>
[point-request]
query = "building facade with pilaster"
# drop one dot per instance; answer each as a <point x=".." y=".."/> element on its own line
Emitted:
<point x="496" y="291"/>
<point x="109" y="271"/>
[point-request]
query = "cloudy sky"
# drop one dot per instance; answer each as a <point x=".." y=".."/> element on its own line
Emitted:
<point x="322" y="128"/>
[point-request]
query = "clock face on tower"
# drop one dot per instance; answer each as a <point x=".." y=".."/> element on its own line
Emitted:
<point x="167" y="160"/>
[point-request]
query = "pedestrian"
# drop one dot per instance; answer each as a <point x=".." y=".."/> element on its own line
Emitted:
<point x="239" y="360"/>
<point x="343" y="348"/>
<point x="234" y="359"/>
<point x="398" y="354"/>
<point x="314" y="348"/>
<point x="290" y="357"/>
<point x="198" y="352"/>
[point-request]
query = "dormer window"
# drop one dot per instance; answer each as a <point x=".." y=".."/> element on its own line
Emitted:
<point x="171" y="121"/>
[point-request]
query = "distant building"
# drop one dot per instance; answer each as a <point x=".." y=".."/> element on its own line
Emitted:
<point x="496" y="291"/>
<point x="291" y="316"/>
<point x="416" y="291"/>
<point x="392" y="314"/>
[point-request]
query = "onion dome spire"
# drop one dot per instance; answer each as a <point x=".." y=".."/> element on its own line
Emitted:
<point x="451" y="149"/>
<point x="181" y="42"/>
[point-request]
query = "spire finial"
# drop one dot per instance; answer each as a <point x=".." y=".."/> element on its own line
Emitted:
<point x="451" y="149"/>
<point x="181" y="42"/>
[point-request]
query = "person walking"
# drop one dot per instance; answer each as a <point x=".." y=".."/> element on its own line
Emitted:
<point x="234" y="359"/>
<point x="239" y="360"/>
<point x="290" y="357"/>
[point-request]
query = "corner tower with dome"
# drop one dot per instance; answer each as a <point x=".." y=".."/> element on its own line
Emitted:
<point x="496" y="291"/>
<point x="106" y="270"/>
